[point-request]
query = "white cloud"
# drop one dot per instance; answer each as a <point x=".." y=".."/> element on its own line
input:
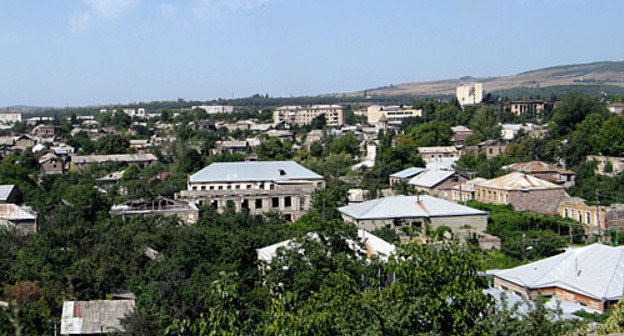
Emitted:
<point x="111" y="8"/>
<point x="104" y="9"/>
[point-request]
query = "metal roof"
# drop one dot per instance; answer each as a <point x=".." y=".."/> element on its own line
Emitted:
<point x="5" y="191"/>
<point x="407" y="173"/>
<point x="113" y="158"/>
<point x="596" y="271"/>
<point x="373" y="244"/>
<point x="518" y="181"/>
<point x="431" y="178"/>
<point x="407" y="207"/>
<point x="94" y="317"/>
<point x="253" y="171"/>
<point x="538" y="167"/>
<point x="12" y="212"/>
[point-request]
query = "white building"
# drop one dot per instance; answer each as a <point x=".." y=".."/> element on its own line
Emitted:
<point x="394" y="114"/>
<point x="303" y="115"/>
<point x="10" y="118"/>
<point x="215" y="109"/>
<point x="139" y="112"/>
<point x="469" y="94"/>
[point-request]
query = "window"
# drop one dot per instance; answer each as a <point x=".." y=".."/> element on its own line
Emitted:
<point x="259" y="203"/>
<point x="287" y="201"/>
<point x="275" y="202"/>
<point x="565" y="213"/>
<point x="506" y="198"/>
<point x="587" y="217"/>
<point x="194" y="188"/>
<point x="237" y="186"/>
<point x="583" y="304"/>
<point x="211" y="187"/>
<point x="504" y="288"/>
<point x="203" y="187"/>
<point x="220" y="187"/>
<point x="245" y="204"/>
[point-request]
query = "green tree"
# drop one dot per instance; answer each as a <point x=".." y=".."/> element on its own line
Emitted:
<point x="571" y="110"/>
<point x="318" y="122"/>
<point x="433" y="133"/>
<point x="485" y="124"/>
<point x="611" y="136"/>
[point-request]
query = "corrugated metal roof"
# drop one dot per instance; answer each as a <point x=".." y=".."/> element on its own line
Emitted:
<point x="596" y="271"/>
<point x="437" y="149"/>
<point x="407" y="173"/>
<point x="12" y="212"/>
<point x="5" y="191"/>
<point x="113" y="157"/>
<point x="431" y="178"/>
<point x="253" y="171"/>
<point x="519" y="181"/>
<point x="94" y="317"/>
<point x="373" y="244"/>
<point x="407" y="207"/>
<point x="538" y="167"/>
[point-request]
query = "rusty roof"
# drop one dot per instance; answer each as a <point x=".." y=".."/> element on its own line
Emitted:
<point x="94" y="317"/>
<point x="538" y="167"/>
<point x="518" y="181"/>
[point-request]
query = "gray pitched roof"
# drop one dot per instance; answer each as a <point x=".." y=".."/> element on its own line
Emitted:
<point x="596" y="271"/>
<point x="407" y="207"/>
<point x="407" y="173"/>
<point x="431" y="178"/>
<point x="5" y="191"/>
<point x="253" y="171"/>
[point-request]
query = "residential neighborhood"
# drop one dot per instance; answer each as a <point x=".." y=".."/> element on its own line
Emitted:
<point x="269" y="168"/>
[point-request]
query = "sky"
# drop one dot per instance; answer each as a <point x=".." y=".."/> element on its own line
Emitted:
<point x="91" y="52"/>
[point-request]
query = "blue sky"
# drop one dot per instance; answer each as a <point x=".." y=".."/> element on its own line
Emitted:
<point x="85" y="52"/>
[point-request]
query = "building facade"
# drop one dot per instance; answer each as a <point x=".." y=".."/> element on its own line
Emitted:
<point x="303" y="115"/>
<point x="215" y="109"/>
<point x="525" y="192"/>
<point x="469" y="94"/>
<point x="258" y="186"/>
<point x="10" y="118"/>
<point x="400" y="212"/>
<point x="527" y="107"/>
<point x="394" y="115"/>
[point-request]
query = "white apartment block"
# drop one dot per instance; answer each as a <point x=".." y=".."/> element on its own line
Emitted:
<point x="215" y="109"/>
<point x="394" y="114"/>
<point x="470" y="94"/>
<point x="303" y="115"/>
<point x="140" y="112"/>
<point x="10" y="118"/>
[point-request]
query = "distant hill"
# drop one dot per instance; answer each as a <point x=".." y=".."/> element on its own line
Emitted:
<point x="590" y="78"/>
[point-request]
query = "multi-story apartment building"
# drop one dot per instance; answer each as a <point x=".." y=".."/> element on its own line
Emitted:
<point x="215" y="109"/>
<point x="531" y="107"/>
<point x="10" y="118"/>
<point x="469" y="94"/>
<point x="394" y="115"/>
<point x="259" y="186"/>
<point x="303" y="115"/>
